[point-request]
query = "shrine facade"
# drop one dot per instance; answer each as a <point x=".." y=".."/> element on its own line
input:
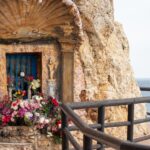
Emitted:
<point x="37" y="40"/>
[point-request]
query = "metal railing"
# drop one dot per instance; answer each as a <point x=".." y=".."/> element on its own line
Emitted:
<point x="145" y="89"/>
<point x="96" y="131"/>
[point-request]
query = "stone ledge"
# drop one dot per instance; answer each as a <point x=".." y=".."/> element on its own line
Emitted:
<point x="25" y="138"/>
<point x="16" y="146"/>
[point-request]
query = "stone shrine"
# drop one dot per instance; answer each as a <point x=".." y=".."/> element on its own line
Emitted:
<point x="86" y="46"/>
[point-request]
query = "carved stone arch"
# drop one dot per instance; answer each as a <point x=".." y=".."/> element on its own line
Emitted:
<point x="29" y="20"/>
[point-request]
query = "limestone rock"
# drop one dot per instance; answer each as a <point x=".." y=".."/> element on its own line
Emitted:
<point x="102" y="63"/>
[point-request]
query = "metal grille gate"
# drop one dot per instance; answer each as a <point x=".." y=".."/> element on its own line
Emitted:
<point x="17" y="63"/>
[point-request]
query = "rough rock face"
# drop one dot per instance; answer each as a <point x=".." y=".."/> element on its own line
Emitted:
<point x="104" y="53"/>
<point x="102" y="63"/>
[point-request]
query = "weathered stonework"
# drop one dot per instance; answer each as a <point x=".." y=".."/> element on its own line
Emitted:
<point x="26" y="138"/>
<point x="14" y="146"/>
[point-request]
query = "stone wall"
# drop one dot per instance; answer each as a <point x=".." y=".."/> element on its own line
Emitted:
<point x="47" y="51"/>
<point x="25" y="138"/>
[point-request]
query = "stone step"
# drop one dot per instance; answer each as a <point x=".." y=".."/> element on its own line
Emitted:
<point x="16" y="146"/>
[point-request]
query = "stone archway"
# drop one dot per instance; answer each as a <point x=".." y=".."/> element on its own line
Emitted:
<point x="29" y="20"/>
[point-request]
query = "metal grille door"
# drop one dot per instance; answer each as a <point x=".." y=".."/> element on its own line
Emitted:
<point x="18" y="64"/>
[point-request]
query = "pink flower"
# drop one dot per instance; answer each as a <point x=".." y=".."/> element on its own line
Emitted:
<point x="22" y="112"/>
<point x="35" y="106"/>
<point x="27" y="105"/>
<point x="14" y="114"/>
<point x="54" y="129"/>
<point x="1" y="105"/>
<point x="12" y="119"/>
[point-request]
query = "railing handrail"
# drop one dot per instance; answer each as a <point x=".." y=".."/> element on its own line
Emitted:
<point x="144" y="88"/>
<point x="98" y="135"/>
<point x="107" y="103"/>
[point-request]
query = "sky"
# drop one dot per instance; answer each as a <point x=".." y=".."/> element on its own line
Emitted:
<point x="135" y="17"/>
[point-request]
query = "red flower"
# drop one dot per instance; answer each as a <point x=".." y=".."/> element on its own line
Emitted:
<point x="30" y="78"/>
<point x="6" y="119"/>
<point x="15" y="103"/>
<point x="58" y="122"/>
<point x="24" y="93"/>
<point x="55" y="102"/>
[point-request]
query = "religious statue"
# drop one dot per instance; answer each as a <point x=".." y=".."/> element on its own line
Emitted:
<point x="52" y="67"/>
<point x="52" y="87"/>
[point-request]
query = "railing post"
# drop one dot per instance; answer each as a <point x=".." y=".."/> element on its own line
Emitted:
<point x="65" y="142"/>
<point x="130" y="130"/>
<point x="101" y="121"/>
<point x="87" y="143"/>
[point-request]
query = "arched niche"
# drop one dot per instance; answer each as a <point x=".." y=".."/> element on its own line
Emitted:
<point x="24" y="21"/>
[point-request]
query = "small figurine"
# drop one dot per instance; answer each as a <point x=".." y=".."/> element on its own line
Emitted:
<point x="52" y="67"/>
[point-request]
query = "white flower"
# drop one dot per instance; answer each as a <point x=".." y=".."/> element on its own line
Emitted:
<point x="37" y="114"/>
<point x="46" y="121"/>
<point x="49" y="134"/>
<point x="42" y="119"/>
<point x="59" y="126"/>
<point x="22" y="104"/>
<point x="43" y="103"/>
<point x="35" y="84"/>
<point x="28" y="115"/>
<point x="39" y="98"/>
<point x="14" y="107"/>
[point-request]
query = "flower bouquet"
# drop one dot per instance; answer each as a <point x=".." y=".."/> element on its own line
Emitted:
<point x="41" y="112"/>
